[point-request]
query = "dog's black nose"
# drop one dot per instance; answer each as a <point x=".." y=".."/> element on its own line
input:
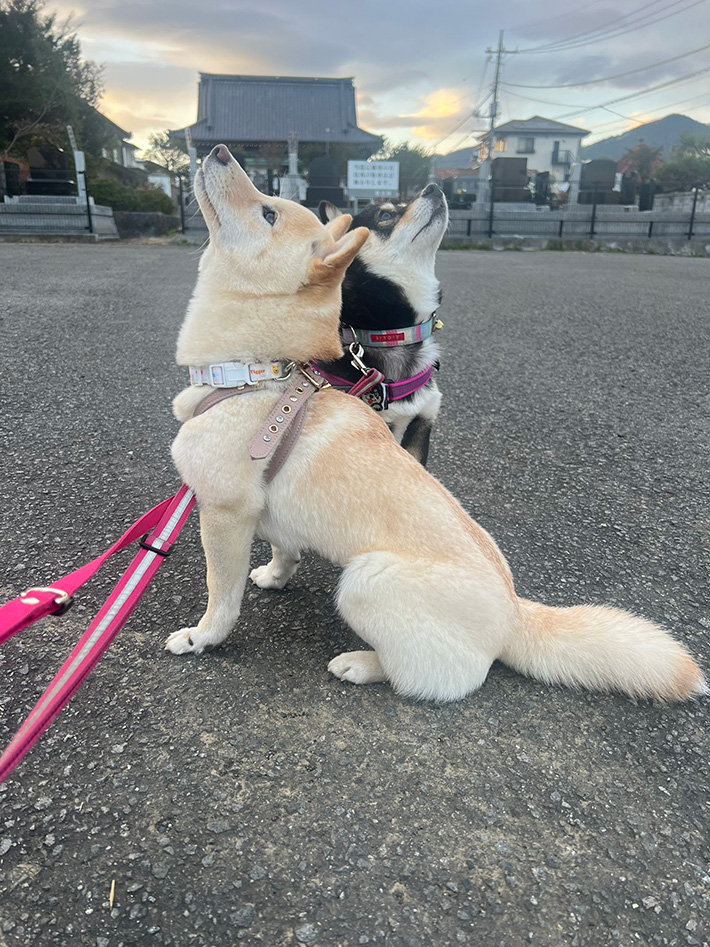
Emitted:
<point x="221" y="153"/>
<point x="430" y="189"/>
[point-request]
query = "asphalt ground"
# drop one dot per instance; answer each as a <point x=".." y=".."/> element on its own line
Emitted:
<point x="245" y="795"/>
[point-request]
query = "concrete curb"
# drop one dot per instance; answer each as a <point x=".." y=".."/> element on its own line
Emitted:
<point x="663" y="247"/>
<point x="55" y="237"/>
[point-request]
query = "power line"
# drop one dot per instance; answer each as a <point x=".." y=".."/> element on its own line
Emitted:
<point x="604" y="27"/>
<point x="588" y="37"/>
<point x="678" y="103"/>
<point x="612" y="34"/>
<point x="610" y="133"/>
<point x="636" y="95"/>
<point x="463" y="121"/>
<point x="618" y="75"/>
<point x="546" y="19"/>
<point x="483" y="79"/>
<point x="627" y="118"/>
<point x="681" y="103"/>
<point x="540" y="101"/>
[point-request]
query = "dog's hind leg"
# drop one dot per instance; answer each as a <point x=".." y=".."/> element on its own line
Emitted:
<point x="275" y="574"/>
<point x="435" y="628"/>
<point x="416" y="438"/>
<point x="226" y="535"/>
<point x="358" y="667"/>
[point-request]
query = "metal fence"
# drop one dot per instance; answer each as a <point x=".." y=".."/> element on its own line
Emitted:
<point x="191" y="220"/>
<point x="577" y="221"/>
<point x="59" y="213"/>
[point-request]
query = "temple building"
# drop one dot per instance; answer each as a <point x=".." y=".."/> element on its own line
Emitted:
<point x="255" y="116"/>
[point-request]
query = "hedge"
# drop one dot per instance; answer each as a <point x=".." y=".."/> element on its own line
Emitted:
<point x="147" y="199"/>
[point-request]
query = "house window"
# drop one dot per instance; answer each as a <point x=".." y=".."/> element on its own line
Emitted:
<point x="501" y="145"/>
<point x="526" y="146"/>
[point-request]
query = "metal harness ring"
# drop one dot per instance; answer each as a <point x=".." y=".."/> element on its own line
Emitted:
<point x="63" y="601"/>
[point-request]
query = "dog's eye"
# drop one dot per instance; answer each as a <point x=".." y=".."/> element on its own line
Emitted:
<point x="269" y="216"/>
<point x="385" y="215"/>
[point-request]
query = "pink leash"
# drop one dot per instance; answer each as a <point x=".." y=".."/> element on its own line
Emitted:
<point x="159" y="528"/>
<point x="395" y="390"/>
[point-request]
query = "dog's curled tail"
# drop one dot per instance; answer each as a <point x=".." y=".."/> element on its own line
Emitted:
<point x="603" y="649"/>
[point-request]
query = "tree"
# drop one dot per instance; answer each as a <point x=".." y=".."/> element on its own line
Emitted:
<point x="46" y="84"/>
<point x="684" y="172"/>
<point x="414" y="163"/>
<point x="693" y="145"/>
<point x="166" y="152"/>
<point x="642" y="159"/>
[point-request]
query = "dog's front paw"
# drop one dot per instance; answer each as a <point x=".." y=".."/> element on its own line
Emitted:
<point x="358" y="667"/>
<point x="185" y="641"/>
<point x="267" y="577"/>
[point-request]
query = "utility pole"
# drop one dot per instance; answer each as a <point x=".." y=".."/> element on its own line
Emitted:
<point x="483" y="175"/>
<point x="494" y="103"/>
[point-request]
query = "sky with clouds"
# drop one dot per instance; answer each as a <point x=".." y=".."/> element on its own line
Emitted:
<point x="420" y="69"/>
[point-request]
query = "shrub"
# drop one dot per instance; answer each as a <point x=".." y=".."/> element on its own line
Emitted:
<point x="112" y="194"/>
<point x="681" y="174"/>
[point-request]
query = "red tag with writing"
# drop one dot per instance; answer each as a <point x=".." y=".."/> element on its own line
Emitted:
<point x="388" y="337"/>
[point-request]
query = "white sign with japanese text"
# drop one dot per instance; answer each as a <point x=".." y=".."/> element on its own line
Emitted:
<point x="380" y="176"/>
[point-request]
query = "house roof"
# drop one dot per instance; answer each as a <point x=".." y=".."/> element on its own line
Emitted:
<point x="269" y="108"/>
<point x="537" y="125"/>
<point x="117" y="130"/>
<point x="463" y="158"/>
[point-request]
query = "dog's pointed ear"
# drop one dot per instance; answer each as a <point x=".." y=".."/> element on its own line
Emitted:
<point x="328" y="211"/>
<point x="339" y="225"/>
<point x="331" y="261"/>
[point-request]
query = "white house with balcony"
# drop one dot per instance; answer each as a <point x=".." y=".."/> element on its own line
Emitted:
<point x="549" y="146"/>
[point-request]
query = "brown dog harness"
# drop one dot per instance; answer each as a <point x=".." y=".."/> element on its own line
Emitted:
<point x="277" y="436"/>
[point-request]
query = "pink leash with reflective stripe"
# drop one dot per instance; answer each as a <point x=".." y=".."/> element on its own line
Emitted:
<point x="156" y="531"/>
<point x="161" y="527"/>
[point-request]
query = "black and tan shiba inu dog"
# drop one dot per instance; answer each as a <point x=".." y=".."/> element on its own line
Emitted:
<point x="390" y="295"/>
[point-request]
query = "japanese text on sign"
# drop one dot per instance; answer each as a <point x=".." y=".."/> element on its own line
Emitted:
<point x="373" y="175"/>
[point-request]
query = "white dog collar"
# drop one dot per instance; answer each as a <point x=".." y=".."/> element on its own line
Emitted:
<point x="234" y="374"/>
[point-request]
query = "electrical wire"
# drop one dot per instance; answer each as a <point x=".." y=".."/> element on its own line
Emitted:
<point x="682" y="103"/>
<point x="584" y="108"/>
<point x="479" y="90"/>
<point x="618" y="75"/>
<point x="546" y="20"/>
<point x="615" y="34"/>
<point x="543" y="101"/>
<point x="588" y="37"/>
<point x="604" y="27"/>
<point x="621" y="126"/>
<point x="636" y="95"/>
<point x="463" y="121"/>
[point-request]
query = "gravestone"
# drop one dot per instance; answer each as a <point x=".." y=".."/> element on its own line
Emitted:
<point x="49" y="173"/>
<point x="324" y="183"/>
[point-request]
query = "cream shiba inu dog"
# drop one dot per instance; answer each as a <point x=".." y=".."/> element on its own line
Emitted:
<point x="423" y="585"/>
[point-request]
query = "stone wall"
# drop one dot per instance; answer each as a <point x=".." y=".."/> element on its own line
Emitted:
<point x="39" y="214"/>
<point x="682" y="202"/>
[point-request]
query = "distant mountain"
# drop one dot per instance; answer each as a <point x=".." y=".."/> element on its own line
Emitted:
<point x="663" y="133"/>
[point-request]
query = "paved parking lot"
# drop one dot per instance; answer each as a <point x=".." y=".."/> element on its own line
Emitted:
<point x="245" y="796"/>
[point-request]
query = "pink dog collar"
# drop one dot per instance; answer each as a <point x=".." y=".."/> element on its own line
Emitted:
<point x="376" y="338"/>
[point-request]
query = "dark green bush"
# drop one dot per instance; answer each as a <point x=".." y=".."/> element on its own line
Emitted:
<point x="148" y="199"/>
<point x="681" y="174"/>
